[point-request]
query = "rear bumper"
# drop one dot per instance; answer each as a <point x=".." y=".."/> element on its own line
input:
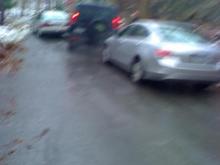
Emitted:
<point x="52" y="30"/>
<point x="166" y="73"/>
<point x="83" y="32"/>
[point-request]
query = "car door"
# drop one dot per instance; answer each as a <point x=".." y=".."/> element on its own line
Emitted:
<point x="137" y="38"/>
<point x="120" y="44"/>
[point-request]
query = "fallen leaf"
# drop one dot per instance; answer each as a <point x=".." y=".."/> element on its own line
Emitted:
<point x="42" y="134"/>
<point x="2" y="158"/>
<point x="29" y="147"/>
<point x="11" y="152"/>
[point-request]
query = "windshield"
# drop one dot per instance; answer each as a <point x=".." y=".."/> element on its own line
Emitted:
<point x="181" y="34"/>
<point x="91" y="12"/>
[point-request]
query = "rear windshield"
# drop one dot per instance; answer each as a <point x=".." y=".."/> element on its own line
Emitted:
<point x="93" y="11"/>
<point x="181" y="34"/>
<point x="55" y="16"/>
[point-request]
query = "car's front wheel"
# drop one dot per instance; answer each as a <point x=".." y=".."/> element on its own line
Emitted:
<point x="137" y="72"/>
<point x="105" y="55"/>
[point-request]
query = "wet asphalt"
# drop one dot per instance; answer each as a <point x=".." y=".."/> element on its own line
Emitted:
<point x="67" y="108"/>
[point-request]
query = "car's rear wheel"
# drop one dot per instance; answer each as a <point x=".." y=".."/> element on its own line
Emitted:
<point x="71" y="45"/>
<point x="201" y="86"/>
<point x="137" y="71"/>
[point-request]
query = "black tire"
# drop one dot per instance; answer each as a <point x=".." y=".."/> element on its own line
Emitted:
<point x="137" y="72"/>
<point x="70" y="45"/>
<point x="91" y="41"/>
<point x="105" y="59"/>
<point x="201" y="86"/>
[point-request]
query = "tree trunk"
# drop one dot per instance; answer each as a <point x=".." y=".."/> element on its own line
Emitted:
<point x="23" y="7"/>
<point x="38" y="4"/>
<point x="48" y="3"/>
<point x="2" y="17"/>
<point x="2" y="12"/>
<point x="143" y="8"/>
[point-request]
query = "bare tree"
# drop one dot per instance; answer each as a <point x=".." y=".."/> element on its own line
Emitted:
<point x="5" y="4"/>
<point x="2" y="12"/>
<point x="38" y="4"/>
<point x="23" y="6"/>
<point x="48" y="3"/>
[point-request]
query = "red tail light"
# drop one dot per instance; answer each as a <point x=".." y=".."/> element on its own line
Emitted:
<point x="116" y="22"/>
<point x="163" y="53"/>
<point x="74" y="18"/>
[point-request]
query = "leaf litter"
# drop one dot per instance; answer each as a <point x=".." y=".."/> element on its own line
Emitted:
<point x="12" y="146"/>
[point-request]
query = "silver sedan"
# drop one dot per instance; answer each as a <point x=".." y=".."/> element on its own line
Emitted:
<point x="52" y="21"/>
<point x="162" y="50"/>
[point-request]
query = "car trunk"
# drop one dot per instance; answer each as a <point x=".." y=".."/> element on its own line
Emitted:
<point x="200" y="56"/>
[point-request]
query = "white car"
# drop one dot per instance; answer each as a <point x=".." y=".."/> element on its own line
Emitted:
<point x="53" y="21"/>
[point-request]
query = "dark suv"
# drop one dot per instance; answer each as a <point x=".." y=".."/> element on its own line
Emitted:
<point x="92" y="23"/>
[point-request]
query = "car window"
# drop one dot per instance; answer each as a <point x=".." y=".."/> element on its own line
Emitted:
<point x="139" y="31"/>
<point x="126" y="32"/>
<point x="181" y="34"/>
<point x="55" y="16"/>
<point x="94" y="11"/>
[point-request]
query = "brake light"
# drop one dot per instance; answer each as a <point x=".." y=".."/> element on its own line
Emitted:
<point x="116" y="22"/>
<point x="74" y="18"/>
<point x="163" y="53"/>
